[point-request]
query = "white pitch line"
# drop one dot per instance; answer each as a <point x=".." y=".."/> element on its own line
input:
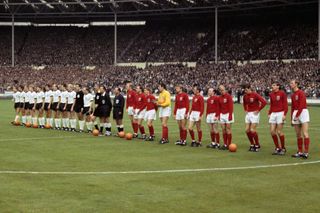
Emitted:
<point x="38" y="138"/>
<point x="161" y="171"/>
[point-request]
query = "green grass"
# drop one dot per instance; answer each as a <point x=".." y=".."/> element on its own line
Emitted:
<point x="281" y="189"/>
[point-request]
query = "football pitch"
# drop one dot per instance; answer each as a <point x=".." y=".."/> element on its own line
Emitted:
<point x="54" y="171"/>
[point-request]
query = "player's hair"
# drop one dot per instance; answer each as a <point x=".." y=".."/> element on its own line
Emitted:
<point x="197" y="87"/>
<point x="118" y="88"/>
<point x="149" y="89"/>
<point x="140" y="87"/>
<point x="296" y="81"/>
<point x="246" y="86"/>
<point x="163" y="85"/>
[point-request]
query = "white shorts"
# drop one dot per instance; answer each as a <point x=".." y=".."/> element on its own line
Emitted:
<point x="130" y="110"/>
<point x="150" y="115"/>
<point x="164" y="112"/>
<point x="211" y="118"/>
<point x="224" y="118"/>
<point x="276" y="118"/>
<point x="140" y="115"/>
<point x="252" y="118"/>
<point x="303" y="118"/>
<point x="181" y="114"/>
<point x="194" y="116"/>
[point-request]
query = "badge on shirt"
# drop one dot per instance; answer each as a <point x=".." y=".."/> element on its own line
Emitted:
<point x="103" y="101"/>
<point x="297" y="97"/>
<point x="224" y="100"/>
<point x="78" y="96"/>
<point x="195" y="100"/>
<point x="212" y="101"/>
<point x="181" y="98"/>
<point x="117" y="101"/>
<point x="139" y="99"/>
<point x="278" y="98"/>
<point x="251" y="100"/>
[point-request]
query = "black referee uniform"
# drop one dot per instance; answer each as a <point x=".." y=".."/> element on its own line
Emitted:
<point x="79" y="102"/>
<point x="118" y="106"/>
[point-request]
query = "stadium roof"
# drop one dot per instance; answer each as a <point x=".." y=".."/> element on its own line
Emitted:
<point x="131" y="8"/>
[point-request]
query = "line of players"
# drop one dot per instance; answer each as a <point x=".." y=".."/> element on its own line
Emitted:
<point x="67" y="103"/>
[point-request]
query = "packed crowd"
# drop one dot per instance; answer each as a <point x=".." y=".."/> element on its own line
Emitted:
<point x="157" y="43"/>
<point x="260" y="76"/>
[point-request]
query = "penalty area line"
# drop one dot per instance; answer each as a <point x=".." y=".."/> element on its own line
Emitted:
<point x="161" y="171"/>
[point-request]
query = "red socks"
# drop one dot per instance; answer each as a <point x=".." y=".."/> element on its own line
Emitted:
<point x="256" y="138"/>
<point x="229" y="138"/>
<point x="275" y="141"/>
<point x="142" y="129"/>
<point x="306" y="145"/>
<point x="282" y="141"/>
<point x="135" y="128"/>
<point x="299" y="142"/>
<point x="191" y="134"/>
<point x="225" y="139"/>
<point x="165" y="132"/>
<point x="184" y="134"/>
<point x="213" y="136"/>
<point x="200" y="136"/>
<point x="249" y="135"/>
<point x="151" y="130"/>
<point x="217" y="138"/>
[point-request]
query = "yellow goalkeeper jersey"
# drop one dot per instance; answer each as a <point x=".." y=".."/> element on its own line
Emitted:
<point x="164" y="99"/>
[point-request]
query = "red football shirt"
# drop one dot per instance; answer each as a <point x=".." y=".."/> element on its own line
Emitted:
<point x="181" y="101"/>
<point x="253" y="102"/>
<point x="151" y="102"/>
<point x="141" y="101"/>
<point x="299" y="102"/>
<point x="278" y="102"/>
<point x="226" y="104"/>
<point x="197" y="104"/>
<point x="213" y="105"/>
<point x="131" y="99"/>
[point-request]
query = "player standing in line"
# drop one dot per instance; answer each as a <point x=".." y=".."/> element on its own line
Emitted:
<point x="104" y="108"/>
<point x="21" y="107"/>
<point x="25" y="111"/>
<point x="195" y="115"/>
<point x="300" y="119"/>
<point x="150" y="115"/>
<point x="32" y="104"/>
<point x="87" y="108"/>
<point x="48" y="99"/>
<point x="16" y="100"/>
<point x="63" y="107"/>
<point x="213" y="113"/>
<point x="118" y="107"/>
<point x="56" y="94"/>
<point x="40" y="106"/>
<point x="164" y="104"/>
<point x="226" y="116"/>
<point x="70" y="109"/>
<point x="130" y="103"/>
<point x="139" y="112"/>
<point x="277" y="116"/>
<point x="253" y="103"/>
<point x="96" y="111"/>
<point x="180" y="114"/>
<point x="79" y="106"/>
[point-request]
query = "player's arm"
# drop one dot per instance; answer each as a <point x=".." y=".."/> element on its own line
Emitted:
<point x="201" y="106"/>
<point x="109" y="103"/>
<point x="74" y="103"/>
<point x="262" y="101"/>
<point x="187" y="103"/>
<point x="271" y="107"/>
<point x="302" y="98"/>
<point x="175" y="107"/>
<point x="43" y="101"/>
<point x="51" y="100"/>
<point x="166" y="100"/>
<point x="230" y="103"/>
<point x="59" y="101"/>
<point x="285" y="103"/>
<point x="245" y="106"/>
<point x="35" y="103"/>
<point x="65" y="105"/>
